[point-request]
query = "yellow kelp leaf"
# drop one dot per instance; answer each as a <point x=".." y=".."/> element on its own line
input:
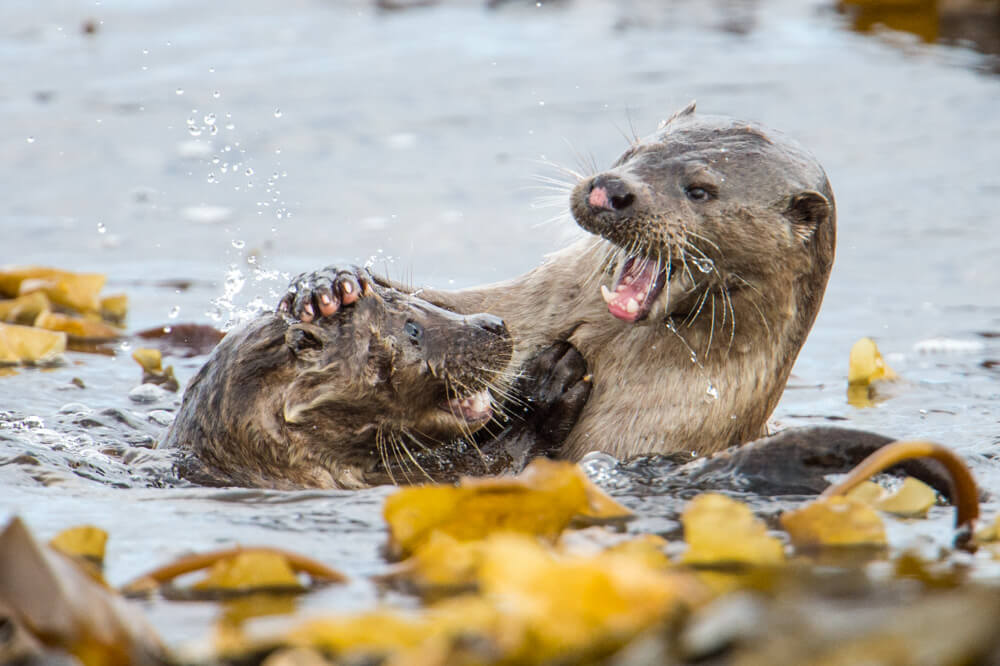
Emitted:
<point x="542" y="501"/>
<point x="73" y="290"/>
<point x="646" y="547"/>
<point x="868" y="492"/>
<point x="719" y="529"/>
<point x="867" y="365"/>
<point x="441" y="562"/>
<point x="84" y="541"/>
<point x="43" y="589"/>
<point x="24" y="309"/>
<point x="24" y="344"/>
<point x="834" y="521"/>
<point x="866" y="368"/>
<point x="388" y="632"/>
<point x="578" y="605"/>
<point x="76" y="327"/>
<point x="114" y="308"/>
<point x="151" y="360"/>
<point x="912" y="500"/>
<point x="250" y="570"/>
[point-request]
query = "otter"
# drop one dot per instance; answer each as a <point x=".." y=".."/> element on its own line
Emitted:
<point x="388" y="390"/>
<point x="710" y="249"/>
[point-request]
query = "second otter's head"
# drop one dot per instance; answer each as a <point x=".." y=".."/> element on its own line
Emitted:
<point x="708" y="205"/>
<point x="394" y="370"/>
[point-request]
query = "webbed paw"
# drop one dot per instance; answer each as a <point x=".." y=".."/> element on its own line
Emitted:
<point x="322" y="293"/>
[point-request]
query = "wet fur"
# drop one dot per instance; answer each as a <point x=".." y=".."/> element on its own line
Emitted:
<point x="735" y="330"/>
<point x="333" y="404"/>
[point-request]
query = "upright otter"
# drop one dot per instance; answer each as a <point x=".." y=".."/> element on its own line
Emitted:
<point x="713" y="242"/>
<point x="390" y="389"/>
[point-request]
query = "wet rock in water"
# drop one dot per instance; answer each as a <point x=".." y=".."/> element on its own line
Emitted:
<point x="184" y="340"/>
<point x="160" y="417"/>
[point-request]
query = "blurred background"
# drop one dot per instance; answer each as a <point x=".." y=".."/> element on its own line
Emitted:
<point x="199" y="153"/>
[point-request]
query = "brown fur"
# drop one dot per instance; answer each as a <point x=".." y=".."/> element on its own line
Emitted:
<point x="338" y="403"/>
<point x="733" y="331"/>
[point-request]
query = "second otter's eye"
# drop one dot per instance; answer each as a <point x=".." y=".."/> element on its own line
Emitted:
<point x="414" y="331"/>
<point x="695" y="193"/>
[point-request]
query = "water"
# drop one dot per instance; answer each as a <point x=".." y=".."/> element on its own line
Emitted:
<point x="408" y="139"/>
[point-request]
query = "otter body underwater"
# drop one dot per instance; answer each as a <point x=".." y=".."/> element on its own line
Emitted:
<point x="712" y="243"/>
<point x="388" y="390"/>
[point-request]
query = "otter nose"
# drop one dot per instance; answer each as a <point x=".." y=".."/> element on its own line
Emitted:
<point x="489" y="323"/>
<point x="610" y="193"/>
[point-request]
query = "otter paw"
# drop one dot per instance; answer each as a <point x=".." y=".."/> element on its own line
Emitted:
<point x="322" y="293"/>
<point x="558" y="386"/>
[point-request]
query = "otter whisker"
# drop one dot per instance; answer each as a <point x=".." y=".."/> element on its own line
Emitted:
<point x="711" y="330"/>
<point x="403" y="467"/>
<point x="693" y="315"/>
<point x="411" y="456"/>
<point x="380" y="447"/>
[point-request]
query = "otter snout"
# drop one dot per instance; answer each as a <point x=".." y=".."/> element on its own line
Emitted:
<point x="610" y="193"/>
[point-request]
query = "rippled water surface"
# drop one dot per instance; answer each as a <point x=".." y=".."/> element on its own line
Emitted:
<point x="199" y="156"/>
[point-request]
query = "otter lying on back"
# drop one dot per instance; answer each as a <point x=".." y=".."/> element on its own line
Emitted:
<point x="713" y="242"/>
<point x="379" y="392"/>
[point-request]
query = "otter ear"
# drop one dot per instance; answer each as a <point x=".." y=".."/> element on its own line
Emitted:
<point x="807" y="211"/>
<point x="304" y="340"/>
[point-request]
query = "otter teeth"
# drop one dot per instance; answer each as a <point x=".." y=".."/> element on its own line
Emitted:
<point x="632" y="306"/>
<point x="606" y="294"/>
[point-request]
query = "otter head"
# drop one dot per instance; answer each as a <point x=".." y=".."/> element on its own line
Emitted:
<point x="710" y="206"/>
<point x="391" y="369"/>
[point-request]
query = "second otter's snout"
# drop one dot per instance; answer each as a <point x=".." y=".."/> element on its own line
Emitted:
<point x="610" y="193"/>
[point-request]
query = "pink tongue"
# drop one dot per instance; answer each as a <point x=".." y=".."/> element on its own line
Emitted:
<point x="628" y="297"/>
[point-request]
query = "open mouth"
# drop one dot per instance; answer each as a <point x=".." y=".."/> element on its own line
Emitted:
<point x="636" y="289"/>
<point x="473" y="409"/>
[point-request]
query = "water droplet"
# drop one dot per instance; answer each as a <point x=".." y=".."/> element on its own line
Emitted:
<point x="210" y="119"/>
<point x="125" y="346"/>
<point x="145" y="52"/>
<point x="712" y="392"/>
<point x="277" y="113"/>
<point x="168" y="329"/>
<point x="249" y="171"/>
<point x="211" y="178"/>
<point x="195" y="131"/>
<point x="704" y="265"/>
<point x="179" y="91"/>
<point x="216" y="94"/>
<point x="31" y="139"/>
<point x="101" y="229"/>
<point x="239" y="245"/>
<point x="174" y="311"/>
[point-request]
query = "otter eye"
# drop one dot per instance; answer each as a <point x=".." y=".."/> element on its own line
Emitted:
<point x="696" y="193"/>
<point x="414" y="331"/>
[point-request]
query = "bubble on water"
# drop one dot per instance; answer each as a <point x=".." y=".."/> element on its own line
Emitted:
<point x="174" y="311"/>
<point x="210" y="119"/>
<point x="31" y="139"/>
<point x="249" y="171"/>
<point x="101" y="229"/>
<point x="712" y="392"/>
<point x="277" y="113"/>
<point x="179" y="91"/>
<point x="239" y="245"/>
